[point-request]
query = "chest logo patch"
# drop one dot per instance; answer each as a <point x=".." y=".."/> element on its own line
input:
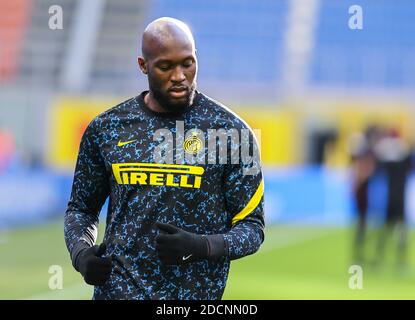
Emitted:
<point x="193" y="144"/>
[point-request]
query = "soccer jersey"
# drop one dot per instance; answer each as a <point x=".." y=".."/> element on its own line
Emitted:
<point x="194" y="170"/>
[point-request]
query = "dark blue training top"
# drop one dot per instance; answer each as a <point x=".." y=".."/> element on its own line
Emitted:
<point x="173" y="176"/>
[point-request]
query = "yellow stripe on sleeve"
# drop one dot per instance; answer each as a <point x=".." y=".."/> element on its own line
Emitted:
<point x="252" y="204"/>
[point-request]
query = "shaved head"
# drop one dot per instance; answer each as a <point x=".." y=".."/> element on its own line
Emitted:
<point x="170" y="63"/>
<point x="160" y="32"/>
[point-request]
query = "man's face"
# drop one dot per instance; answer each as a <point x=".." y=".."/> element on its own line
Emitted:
<point x="172" y="76"/>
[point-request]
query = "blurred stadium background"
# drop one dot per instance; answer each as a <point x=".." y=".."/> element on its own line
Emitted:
<point x="292" y="68"/>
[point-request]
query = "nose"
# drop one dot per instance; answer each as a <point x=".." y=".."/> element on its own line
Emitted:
<point x="178" y="75"/>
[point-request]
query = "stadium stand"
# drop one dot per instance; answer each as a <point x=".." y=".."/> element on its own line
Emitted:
<point x="233" y="44"/>
<point x="378" y="56"/>
<point x="117" y="46"/>
<point x="13" y="19"/>
<point x="43" y="49"/>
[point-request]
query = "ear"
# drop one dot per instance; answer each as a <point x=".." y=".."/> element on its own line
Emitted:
<point x="142" y="64"/>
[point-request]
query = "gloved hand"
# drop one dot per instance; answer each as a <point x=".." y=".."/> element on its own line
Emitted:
<point x="95" y="269"/>
<point x="176" y="246"/>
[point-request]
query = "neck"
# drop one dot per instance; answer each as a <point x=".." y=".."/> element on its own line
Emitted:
<point x="152" y="103"/>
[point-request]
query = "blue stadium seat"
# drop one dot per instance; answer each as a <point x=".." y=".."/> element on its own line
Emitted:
<point x="381" y="55"/>
<point x="237" y="40"/>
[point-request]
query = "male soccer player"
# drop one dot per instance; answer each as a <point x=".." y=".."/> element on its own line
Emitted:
<point x="174" y="221"/>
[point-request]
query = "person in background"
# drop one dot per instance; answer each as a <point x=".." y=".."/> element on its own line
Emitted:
<point x="364" y="166"/>
<point x="394" y="158"/>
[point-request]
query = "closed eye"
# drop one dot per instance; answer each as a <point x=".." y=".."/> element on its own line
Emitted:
<point x="188" y="63"/>
<point x="164" y="67"/>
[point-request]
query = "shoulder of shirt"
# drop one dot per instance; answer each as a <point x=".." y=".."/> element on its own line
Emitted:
<point x="220" y="112"/>
<point x="112" y="112"/>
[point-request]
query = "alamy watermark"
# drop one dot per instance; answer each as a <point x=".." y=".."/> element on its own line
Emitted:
<point x="356" y="18"/>
<point x="56" y="279"/>
<point x="215" y="146"/>
<point x="56" y="18"/>
<point x="356" y="278"/>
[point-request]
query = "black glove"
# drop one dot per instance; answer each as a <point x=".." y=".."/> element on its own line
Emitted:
<point x="95" y="269"/>
<point x="176" y="246"/>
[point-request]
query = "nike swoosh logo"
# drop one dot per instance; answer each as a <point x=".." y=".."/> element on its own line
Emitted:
<point x="184" y="258"/>
<point x="123" y="143"/>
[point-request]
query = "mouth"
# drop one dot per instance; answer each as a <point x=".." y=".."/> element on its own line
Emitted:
<point x="178" y="92"/>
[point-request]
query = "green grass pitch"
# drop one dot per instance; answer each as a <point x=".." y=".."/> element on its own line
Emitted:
<point x="295" y="262"/>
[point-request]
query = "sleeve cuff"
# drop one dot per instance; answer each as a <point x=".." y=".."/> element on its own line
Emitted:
<point x="76" y="250"/>
<point x="216" y="246"/>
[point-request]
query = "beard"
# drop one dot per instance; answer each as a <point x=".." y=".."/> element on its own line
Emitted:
<point x="172" y="105"/>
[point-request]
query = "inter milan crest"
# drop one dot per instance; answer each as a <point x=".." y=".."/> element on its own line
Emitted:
<point x="193" y="144"/>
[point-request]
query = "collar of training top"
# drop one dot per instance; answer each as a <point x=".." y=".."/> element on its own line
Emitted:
<point x="146" y="109"/>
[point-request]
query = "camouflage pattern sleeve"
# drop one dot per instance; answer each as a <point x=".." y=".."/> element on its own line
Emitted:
<point x="244" y="194"/>
<point x="90" y="189"/>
